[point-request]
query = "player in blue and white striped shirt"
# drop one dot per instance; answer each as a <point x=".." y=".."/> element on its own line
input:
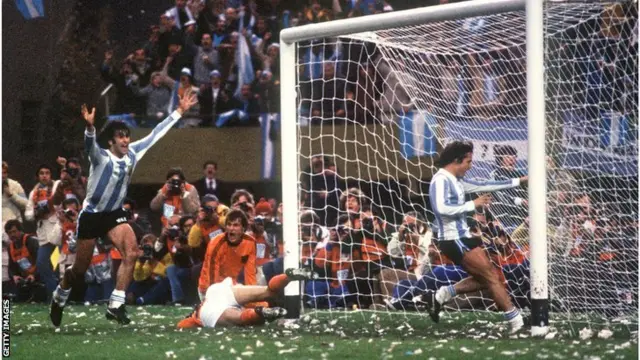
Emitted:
<point x="103" y="214"/>
<point x="447" y="196"/>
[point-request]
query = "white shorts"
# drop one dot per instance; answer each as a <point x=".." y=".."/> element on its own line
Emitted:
<point x="219" y="298"/>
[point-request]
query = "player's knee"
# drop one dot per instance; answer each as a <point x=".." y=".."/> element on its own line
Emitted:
<point x="130" y="256"/>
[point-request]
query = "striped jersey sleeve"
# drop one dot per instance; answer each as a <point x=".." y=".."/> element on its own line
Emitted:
<point x="141" y="146"/>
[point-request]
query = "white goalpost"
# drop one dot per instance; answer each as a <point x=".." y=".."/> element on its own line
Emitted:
<point x="547" y="89"/>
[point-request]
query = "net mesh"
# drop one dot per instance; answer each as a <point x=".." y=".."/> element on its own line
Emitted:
<point x="373" y="109"/>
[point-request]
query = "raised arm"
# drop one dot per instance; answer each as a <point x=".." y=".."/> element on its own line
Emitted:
<point x="96" y="154"/>
<point x="141" y="146"/>
<point x="442" y="206"/>
<point x="471" y="186"/>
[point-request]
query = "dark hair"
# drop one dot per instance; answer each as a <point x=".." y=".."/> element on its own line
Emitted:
<point x="131" y="203"/>
<point x="175" y="171"/>
<point x="109" y="132"/>
<point x="343" y="219"/>
<point x="11" y="224"/>
<point x="309" y="217"/>
<point x="184" y="219"/>
<point x="454" y="152"/>
<point x="71" y="200"/>
<point x="502" y="151"/>
<point x="240" y="192"/>
<point x="210" y="162"/>
<point x="44" y="166"/>
<point x="237" y="214"/>
<point x="73" y="160"/>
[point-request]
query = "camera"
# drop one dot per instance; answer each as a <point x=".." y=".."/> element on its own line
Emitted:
<point x="367" y="225"/>
<point x="175" y="186"/>
<point x="69" y="214"/>
<point x="42" y="208"/>
<point x="147" y="252"/>
<point x="72" y="172"/>
<point x="208" y="209"/>
<point x="244" y="206"/>
<point x="174" y="232"/>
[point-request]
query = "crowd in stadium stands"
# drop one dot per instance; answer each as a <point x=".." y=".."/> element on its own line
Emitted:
<point x="361" y="258"/>
<point x="226" y="51"/>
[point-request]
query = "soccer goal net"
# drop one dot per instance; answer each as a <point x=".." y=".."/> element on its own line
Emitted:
<point x="373" y="109"/>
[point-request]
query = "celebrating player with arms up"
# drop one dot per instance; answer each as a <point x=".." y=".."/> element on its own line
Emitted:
<point x="102" y="214"/>
<point x="226" y="304"/>
<point x="447" y="195"/>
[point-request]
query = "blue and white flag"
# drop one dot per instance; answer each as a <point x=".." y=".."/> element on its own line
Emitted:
<point x="230" y="115"/>
<point x="245" y="67"/>
<point x="416" y="135"/>
<point x="269" y="125"/>
<point x="30" y="9"/>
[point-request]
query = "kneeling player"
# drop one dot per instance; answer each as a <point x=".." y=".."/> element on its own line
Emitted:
<point x="225" y="304"/>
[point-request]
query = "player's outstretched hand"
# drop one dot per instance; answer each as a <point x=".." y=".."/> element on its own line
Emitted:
<point x="524" y="180"/>
<point x="482" y="200"/>
<point x="89" y="117"/>
<point x="187" y="100"/>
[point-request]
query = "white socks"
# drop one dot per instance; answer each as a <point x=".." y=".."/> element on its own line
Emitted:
<point x="445" y="293"/>
<point x="117" y="299"/>
<point x="61" y="295"/>
<point x="514" y="318"/>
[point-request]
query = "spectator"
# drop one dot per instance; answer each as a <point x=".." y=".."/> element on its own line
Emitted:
<point x="247" y="103"/>
<point x="98" y="277"/>
<point x="178" y="59"/>
<point x="210" y="22"/>
<point x="72" y="184"/>
<point x="40" y="209"/>
<point x="510" y="206"/>
<point x="14" y="200"/>
<point x="68" y="217"/>
<point x="220" y="33"/>
<point x="176" y="197"/>
<point x="335" y="262"/>
<point x="190" y="118"/>
<point x="168" y="34"/>
<point x="268" y="91"/>
<point x="122" y="78"/>
<point x="207" y="227"/>
<point x="205" y="59"/>
<point x="328" y="94"/>
<point x="158" y="95"/>
<point x="173" y="241"/>
<point x="228" y="254"/>
<point x="181" y="13"/>
<point x="23" y="249"/>
<point x="213" y="100"/>
<point x="265" y="250"/>
<point x="489" y="91"/>
<point x="141" y="66"/>
<point x="150" y="284"/>
<point x="209" y="183"/>
<point x="179" y="273"/>
<point x="241" y="196"/>
<point x="271" y="60"/>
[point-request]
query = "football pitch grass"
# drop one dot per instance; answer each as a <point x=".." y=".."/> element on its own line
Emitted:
<point x="86" y="334"/>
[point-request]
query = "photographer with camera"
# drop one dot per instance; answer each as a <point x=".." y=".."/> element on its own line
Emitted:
<point x="177" y="197"/>
<point x="150" y="284"/>
<point x="206" y="228"/>
<point x="40" y="209"/>
<point x="14" y="200"/>
<point x="173" y="241"/>
<point x="333" y="259"/>
<point x="266" y="230"/>
<point x="72" y="183"/>
<point x="408" y="251"/>
<point x="68" y="216"/>
<point x="22" y="262"/>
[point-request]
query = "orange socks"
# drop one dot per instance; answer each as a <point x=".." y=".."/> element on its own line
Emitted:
<point x="190" y="322"/>
<point x="278" y="282"/>
<point x="251" y="317"/>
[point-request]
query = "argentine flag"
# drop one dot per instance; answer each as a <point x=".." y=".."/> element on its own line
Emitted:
<point x="270" y="127"/>
<point x="416" y="136"/>
<point x="30" y="9"/>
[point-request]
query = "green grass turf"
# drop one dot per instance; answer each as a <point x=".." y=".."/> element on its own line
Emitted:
<point x="85" y="334"/>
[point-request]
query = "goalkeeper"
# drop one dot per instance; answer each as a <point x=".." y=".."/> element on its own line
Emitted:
<point x="226" y="304"/>
<point x="447" y="196"/>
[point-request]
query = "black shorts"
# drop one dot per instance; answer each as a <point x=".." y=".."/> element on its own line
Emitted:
<point x="98" y="224"/>
<point x="455" y="249"/>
